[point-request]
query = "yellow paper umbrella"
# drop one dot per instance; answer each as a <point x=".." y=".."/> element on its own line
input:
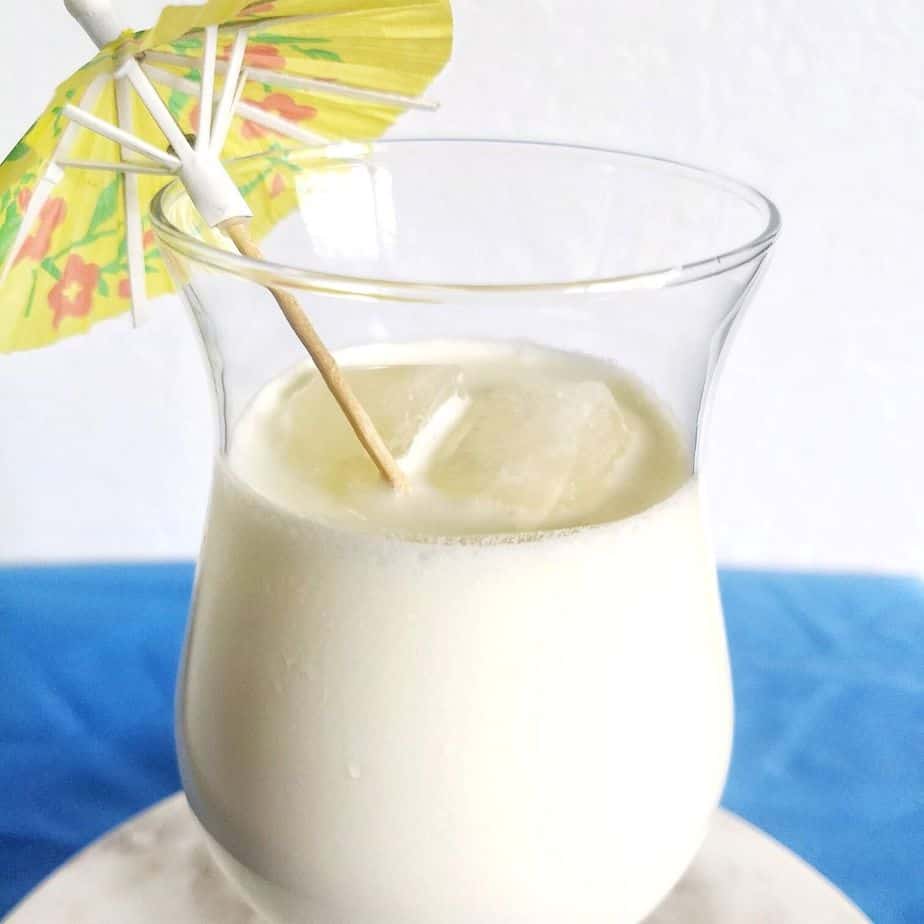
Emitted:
<point x="242" y="76"/>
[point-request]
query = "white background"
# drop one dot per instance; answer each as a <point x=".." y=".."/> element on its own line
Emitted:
<point x="818" y="442"/>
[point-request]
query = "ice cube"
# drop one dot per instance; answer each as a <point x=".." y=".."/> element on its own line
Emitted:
<point x="544" y="452"/>
<point x="404" y="403"/>
<point x="609" y="437"/>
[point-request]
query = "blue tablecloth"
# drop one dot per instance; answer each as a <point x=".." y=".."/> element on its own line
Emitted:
<point x="829" y="748"/>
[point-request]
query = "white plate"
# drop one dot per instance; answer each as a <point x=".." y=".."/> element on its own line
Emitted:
<point x="156" y="868"/>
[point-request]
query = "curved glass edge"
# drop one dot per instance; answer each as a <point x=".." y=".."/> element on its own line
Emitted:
<point x="268" y="273"/>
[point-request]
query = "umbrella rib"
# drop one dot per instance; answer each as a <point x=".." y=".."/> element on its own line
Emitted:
<point x="121" y="166"/>
<point x="114" y="133"/>
<point x="267" y="75"/>
<point x="207" y="88"/>
<point x="37" y="201"/>
<point x="219" y="139"/>
<point x="157" y="108"/>
<point x="295" y="82"/>
<point x="134" y="234"/>
<point x="278" y="124"/>
<point x="244" y="109"/>
<point x="235" y="78"/>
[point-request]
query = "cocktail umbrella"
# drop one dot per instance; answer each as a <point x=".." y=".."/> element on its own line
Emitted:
<point x="207" y="83"/>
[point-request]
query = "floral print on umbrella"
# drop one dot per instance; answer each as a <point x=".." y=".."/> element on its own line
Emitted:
<point x="72" y="294"/>
<point x="282" y="105"/>
<point x="51" y="217"/>
<point x="70" y="269"/>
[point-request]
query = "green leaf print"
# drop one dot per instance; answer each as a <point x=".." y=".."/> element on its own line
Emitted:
<point x="103" y="287"/>
<point x="31" y="299"/>
<point x="50" y="268"/>
<point x="106" y="205"/>
<point x="177" y="102"/>
<point x="320" y="54"/>
<point x="8" y="230"/>
<point x="186" y="43"/>
<point x="20" y="150"/>
<point x="247" y="188"/>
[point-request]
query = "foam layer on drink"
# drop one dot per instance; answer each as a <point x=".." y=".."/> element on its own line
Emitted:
<point x="495" y="437"/>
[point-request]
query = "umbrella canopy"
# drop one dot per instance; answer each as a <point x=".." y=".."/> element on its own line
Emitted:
<point x="242" y="77"/>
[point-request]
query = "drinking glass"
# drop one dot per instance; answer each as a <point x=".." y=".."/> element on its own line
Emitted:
<point x="379" y="726"/>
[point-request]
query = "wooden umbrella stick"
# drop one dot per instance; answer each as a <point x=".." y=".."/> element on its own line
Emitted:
<point x="239" y="232"/>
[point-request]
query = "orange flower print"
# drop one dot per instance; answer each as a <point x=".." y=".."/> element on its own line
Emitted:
<point x="125" y="288"/>
<point x="72" y="294"/>
<point x="277" y="185"/>
<point x="148" y="239"/>
<point x="282" y="105"/>
<point x="23" y="199"/>
<point x="260" y="8"/>
<point x="36" y="245"/>
<point x="265" y="56"/>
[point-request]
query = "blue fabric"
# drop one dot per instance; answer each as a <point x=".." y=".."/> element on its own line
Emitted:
<point x="829" y="749"/>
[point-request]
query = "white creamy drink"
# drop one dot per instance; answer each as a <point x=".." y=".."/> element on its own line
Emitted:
<point x="502" y="698"/>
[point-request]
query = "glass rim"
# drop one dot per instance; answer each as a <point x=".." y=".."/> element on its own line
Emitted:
<point x="268" y="272"/>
